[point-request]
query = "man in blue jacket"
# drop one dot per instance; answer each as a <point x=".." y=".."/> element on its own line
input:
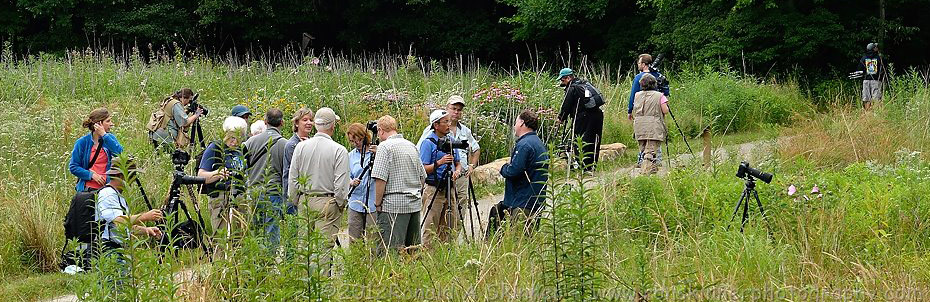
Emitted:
<point x="525" y="175"/>
<point x="643" y="64"/>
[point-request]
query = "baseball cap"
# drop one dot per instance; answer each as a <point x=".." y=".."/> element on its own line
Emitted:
<point x="456" y="99"/>
<point x="239" y="110"/>
<point x="115" y="170"/>
<point x="565" y="72"/>
<point x="325" y="116"/>
<point x="437" y="115"/>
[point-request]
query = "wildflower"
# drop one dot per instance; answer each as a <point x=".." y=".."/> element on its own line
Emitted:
<point x="315" y="61"/>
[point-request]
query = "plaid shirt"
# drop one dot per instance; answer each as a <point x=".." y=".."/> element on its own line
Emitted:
<point x="398" y="163"/>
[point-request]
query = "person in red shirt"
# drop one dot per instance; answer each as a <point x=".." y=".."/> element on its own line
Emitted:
<point x="86" y="163"/>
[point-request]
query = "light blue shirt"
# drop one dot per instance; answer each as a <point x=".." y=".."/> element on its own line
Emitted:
<point x="357" y="199"/>
<point x="110" y="205"/>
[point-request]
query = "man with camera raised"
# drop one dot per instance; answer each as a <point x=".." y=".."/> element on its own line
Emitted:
<point x="169" y="124"/>
<point x="322" y="165"/>
<point x="399" y="176"/>
<point x="469" y="156"/>
<point x="442" y="168"/>
<point x="265" y="160"/>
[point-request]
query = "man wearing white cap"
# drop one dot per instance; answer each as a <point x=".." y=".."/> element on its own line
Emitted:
<point x="441" y="169"/>
<point x="322" y="166"/>
<point x="469" y="157"/>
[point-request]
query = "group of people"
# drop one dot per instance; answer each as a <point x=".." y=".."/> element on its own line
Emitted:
<point x="397" y="193"/>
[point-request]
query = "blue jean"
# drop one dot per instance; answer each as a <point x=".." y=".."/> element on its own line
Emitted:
<point x="268" y="213"/>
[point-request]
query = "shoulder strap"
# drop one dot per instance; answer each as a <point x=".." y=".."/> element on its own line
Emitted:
<point x="96" y="153"/>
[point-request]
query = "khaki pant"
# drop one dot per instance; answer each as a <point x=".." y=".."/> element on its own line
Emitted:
<point x="649" y="148"/>
<point x="358" y="222"/>
<point x="442" y="217"/>
<point x="228" y="220"/>
<point x="326" y="215"/>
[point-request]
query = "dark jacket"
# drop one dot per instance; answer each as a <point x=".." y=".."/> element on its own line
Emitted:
<point x="80" y="156"/>
<point x="571" y="105"/>
<point x="872" y="66"/>
<point x="526" y="173"/>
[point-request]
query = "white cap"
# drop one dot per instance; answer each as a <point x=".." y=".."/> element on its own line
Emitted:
<point x="436" y="116"/>
<point x="456" y="99"/>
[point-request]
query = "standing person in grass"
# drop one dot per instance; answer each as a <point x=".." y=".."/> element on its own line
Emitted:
<point x="265" y="161"/>
<point x="525" y="175"/>
<point x="223" y="166"/>
<point x="302" y="126"/>
<point x="361" y="198"/>
<point x="442" y="169"/>
<point x="175" y="131"/>
<point x="399" y="176"/>
<point x="587" y="117"/>
<point x="873" y="75"/>
<point x="643" y="65"/>
<point x="649" y="109"/>
<point x="322" y="166"/>
<point x="92" y="153"/>
<point x="468" y="157"/>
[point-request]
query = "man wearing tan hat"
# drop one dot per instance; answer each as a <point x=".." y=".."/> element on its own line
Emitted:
<point x="455" y="106"/>
<point x="441" y="170"/>
<point x="318" y="178"/>
<point x="111" y="208"/>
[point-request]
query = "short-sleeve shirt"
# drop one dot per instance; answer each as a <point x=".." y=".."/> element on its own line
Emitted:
<point x="110" y="205"/>
<point x="459" y="133"/>
<point x="398" y="164"/>
<point x="212" y="155"/>
<point x="429" y="154"/>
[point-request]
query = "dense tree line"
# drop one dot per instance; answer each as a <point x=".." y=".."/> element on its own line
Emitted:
<point x="762" y="35"/>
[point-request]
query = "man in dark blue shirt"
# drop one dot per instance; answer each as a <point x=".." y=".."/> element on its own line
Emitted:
<point x="587" y="117"/>
<point x="525" y="175"/>
<point x="441" y="169"/>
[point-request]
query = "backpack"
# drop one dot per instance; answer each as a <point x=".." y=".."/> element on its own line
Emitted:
<point x="592" y="97"/>
<point x="160" y="117"/>
<point x="79" y="222"/>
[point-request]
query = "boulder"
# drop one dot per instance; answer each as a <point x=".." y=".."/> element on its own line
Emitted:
<point x="612" y="151"/>
<point x="489" y="173"/>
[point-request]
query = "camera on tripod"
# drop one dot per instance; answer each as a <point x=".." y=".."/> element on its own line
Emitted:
<point x="180" y="159"/>
<point x="193" y="106"/>
<point x="373" y="127"/>
<point x="446" y="144"/>
<point x="745" y="170"/>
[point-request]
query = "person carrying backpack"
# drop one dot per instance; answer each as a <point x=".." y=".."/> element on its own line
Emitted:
<point x="644" y="66"/>
<point x="223" y="165"/>
<point x="92" y="153"/>
<point x="583" y="104"/>
<point x="170" y="122"/>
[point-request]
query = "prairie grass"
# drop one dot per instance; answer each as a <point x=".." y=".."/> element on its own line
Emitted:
<point x="664" y="239"/>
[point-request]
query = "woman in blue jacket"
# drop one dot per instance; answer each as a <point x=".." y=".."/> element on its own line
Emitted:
<point x="87" y="163"/>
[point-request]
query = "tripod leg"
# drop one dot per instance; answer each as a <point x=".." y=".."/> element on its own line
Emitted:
<point x="736" y="210"/>
<point x="474" y="200"/>
<point x="762" y="212"/>
<point x="745" y="210"/>
<point x="428" y="208"/>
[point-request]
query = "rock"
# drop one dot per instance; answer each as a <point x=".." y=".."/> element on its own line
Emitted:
<point x="490" y="173"/>
<point x="612" y="151"/>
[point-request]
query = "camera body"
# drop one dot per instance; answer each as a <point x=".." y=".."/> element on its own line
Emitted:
<point x="447" y="144"/>
<point x="746" y="172"/>
<point x="180" y="159"/>
<point x="373" y="127"/>
<point x="193" y="105"/>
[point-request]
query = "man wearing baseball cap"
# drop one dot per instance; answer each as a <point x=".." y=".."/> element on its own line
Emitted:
<point x="442" y="169"/>
<point x="322" y="165"/>
<point x="455" y="106"/>
<point x="111" y="208"/>
<point x="582" y="103"/>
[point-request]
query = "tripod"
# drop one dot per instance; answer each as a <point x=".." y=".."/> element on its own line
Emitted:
<point x="744" y="199"/>
<point x="452" y="195"/>
<point x="197" y="131"/>
<point x="173" y="205"/>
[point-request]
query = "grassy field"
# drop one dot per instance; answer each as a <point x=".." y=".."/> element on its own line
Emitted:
<point x="662" y="238"/>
